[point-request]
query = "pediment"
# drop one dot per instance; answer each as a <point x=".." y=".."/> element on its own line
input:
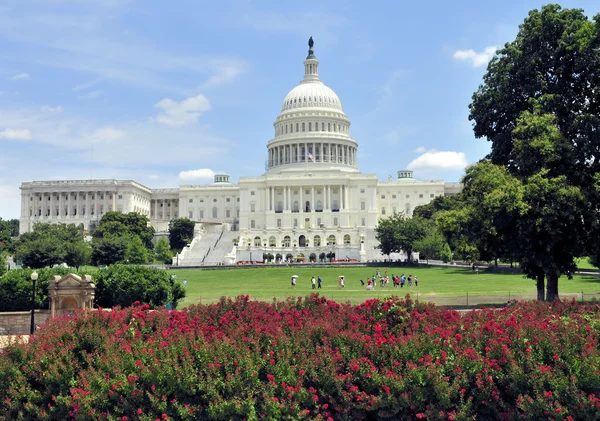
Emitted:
<point x="70" y="280"/>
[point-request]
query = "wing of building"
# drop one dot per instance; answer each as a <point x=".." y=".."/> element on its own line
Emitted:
<point x="312" y="199"/>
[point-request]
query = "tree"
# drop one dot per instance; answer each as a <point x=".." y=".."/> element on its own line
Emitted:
<point x="399" y="233"/>
<point x="162" y="251"/>
<point x="181" y="232"/>
<point x="539" y="106"/>
<point x="3" y="263"/>
<point x="77" y="254"/>
<point x="430" y="246"/>
<point x="109" y="250"/>
<point x="131" y="224"/>
<point x="136" y="252"/>
<point x="440" y="203"/>
<point x="9" y="229"/>
<point x="41" y="253"/>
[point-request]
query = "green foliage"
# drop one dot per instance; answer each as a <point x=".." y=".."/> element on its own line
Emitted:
<point x="430" y="246"/>
<point x="162" y="251"/>
<point x="78" y="254"/>
<point x="181" y="232"/>
<point x="109" y="250"/>
<point x="51" y="244"/>
<point x="540" y="109"/>
<point x="122" y="285"/>
<point x="9" y="229"/>
<point x="3" y="263"/>
<point x="16" y="286"/>
<point x="446" y="253"/>
<point x="440" y="203"/>
<point x="399" y="233"/>
<point x="136" y="252"/>
<point x="129" y="225"/>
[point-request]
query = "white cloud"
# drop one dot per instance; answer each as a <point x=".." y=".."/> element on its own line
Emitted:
<point x="420" y="149"/>
<point x="182" y="113"/>
<point x="107" y="134"/>
<point x="439" y="160"/>
<point x="92" y="95"/>
<point x="20" y="76"/>
<point x="49" y="109"/>
<point x="15" y="134"/>
<point x="202" y="174"/>
<point x="476" y="59"/>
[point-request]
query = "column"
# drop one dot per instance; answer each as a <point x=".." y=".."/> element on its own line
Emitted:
<point x="114" y="201"/>
<point x="285" y="197"/>
<point x="272" y="198"/>
<point x="69" y="205"/>
<point x="312" y="200"/>
<point x="78" y="201"/>
<point x="326" y="194"/>
<point x="347" y="197"/>
<point x="301" y="199"/>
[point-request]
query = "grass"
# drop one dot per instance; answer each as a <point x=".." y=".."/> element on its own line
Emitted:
<point x="441" y="285"/>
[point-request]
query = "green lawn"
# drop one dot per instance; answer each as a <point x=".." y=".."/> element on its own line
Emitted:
<point x="435" y="284"/>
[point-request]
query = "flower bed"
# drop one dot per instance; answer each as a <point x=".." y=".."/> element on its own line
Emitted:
<point x="309" y="359"/>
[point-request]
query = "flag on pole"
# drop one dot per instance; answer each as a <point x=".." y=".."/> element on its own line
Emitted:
<point x="310" y="156"/>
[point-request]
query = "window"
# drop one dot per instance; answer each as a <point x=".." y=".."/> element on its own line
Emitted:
<point x="252" y="223"/>
<point x="394" y="209"/>
<point x="318" y="222"/>
<point x="362" y="190"/>
<point x="228" y="200"/>
<point x="201" y="200"/>
<point x="393" y="196"/>
<point x="214" y="200"/>
<point x="252" y="193"/>
<point x="431" y="195"/>
<point x="215" y="212"/>
<point x="201" y="213"/>
<point x="421" y="196"/>
<point x="335" y="222"/>
<point x="363" y="205"/>
<point x="295" y="191"/>
<point x="408" y="196"/>
<point x="238" y="199"/>
<point x="279" y="192"/>
<point x="383" y="211"/>
<point x="383" y="196"/>
<point x="279" y="223"/>
<point x="306" y="191"/>
<point x="252" y="207"/>
<point x="227" y="213"/>
<point x="363" y="222"/>
<point x="295" y="222"/>
<point x="120" y="196"/>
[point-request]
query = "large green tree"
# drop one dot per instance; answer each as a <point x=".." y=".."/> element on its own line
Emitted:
<point x="539" y="106"/>
<point x="125" y="225"/>
<point x="181" y="232"/>
<point x="162" y="251"/>
<point x="400" y="233"/>
<point x="9" y="229"/>
<point x="109" y="250"/>
<point x="50" y="244"/>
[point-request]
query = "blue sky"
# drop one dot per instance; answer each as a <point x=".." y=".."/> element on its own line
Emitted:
<point x="166" y="93"/>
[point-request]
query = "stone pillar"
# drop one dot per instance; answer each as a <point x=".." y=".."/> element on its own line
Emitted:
<point x="60" y="205"/>
<point x="301" y="199"/>
<point x="285" y="190"/>
<point x="69" y="204"/>
<point x="312" y="200"/>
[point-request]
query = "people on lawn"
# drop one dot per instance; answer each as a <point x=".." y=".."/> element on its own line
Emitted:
<point x="313" y="281"/>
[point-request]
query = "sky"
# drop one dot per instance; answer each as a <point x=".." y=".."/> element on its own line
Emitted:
<point x="167" y="93"/>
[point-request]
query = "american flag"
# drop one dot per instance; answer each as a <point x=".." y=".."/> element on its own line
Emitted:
<point x="310" y="156"/>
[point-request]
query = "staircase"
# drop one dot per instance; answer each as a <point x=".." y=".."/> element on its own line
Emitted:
<point x="200" y="249"/>
<point x="221" y="248"/>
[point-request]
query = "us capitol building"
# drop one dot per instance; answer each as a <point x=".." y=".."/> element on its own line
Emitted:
<point x="312" y="199"/>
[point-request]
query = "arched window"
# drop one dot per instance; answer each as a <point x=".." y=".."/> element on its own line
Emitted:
<point x="272" y="241"/>
<point x="307" y="206"/>
<point x="347" y="239"/>
<point x="296" y="207"/>
<point x="335" y="206"/>
<point x="317" y="241"/>
<point x="309" y="126"/>
<point x="257" y="242"/>
<point x="407" y="209"/>
<point x="319" y="206"/>
<point x="331" y="240"/>
<point x="287" y="241"/>
<point x="215" y="212"/>
<point x="297" y="127"/>
<point x="303" y="129"/>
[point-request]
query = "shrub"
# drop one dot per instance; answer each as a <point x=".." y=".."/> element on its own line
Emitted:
<point x="122" y="285"/>
<point x="16" y="286"/>
<point x="309" y="359"/>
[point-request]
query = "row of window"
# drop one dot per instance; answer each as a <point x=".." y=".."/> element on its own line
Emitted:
<point x="215" y="213"/>
<point x="74" y="196"/>
<point x="395" y="210"/>
<point x="289" y="128"/>
<point x="319" y="100"/>
<point x="431" y="195"/>
<point x="302" y="241"/>
<point x="227" y="199"/>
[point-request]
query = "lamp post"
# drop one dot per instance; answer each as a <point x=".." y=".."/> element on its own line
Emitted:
<point x="34" y="277"/>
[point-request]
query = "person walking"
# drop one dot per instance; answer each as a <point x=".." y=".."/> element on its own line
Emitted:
<point x="416" y="281"/>
<point x="319" y="282"/>
<point x="314" y="282"/>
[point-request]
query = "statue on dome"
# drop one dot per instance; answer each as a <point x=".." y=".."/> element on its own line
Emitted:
<point x="310" y="43"/>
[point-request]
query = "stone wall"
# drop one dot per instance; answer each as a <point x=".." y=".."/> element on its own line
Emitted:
<point x="19" y="322"/>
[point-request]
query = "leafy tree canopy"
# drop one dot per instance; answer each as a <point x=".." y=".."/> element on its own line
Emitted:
<point x="181" y="232"/>
<point x="399" y="233"/>
<point x="125" y="225"/>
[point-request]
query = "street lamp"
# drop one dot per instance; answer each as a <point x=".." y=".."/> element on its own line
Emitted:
<point x="34" y="277"/>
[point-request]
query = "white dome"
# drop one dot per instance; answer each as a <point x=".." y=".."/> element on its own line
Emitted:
<point x="311" y="94"/>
